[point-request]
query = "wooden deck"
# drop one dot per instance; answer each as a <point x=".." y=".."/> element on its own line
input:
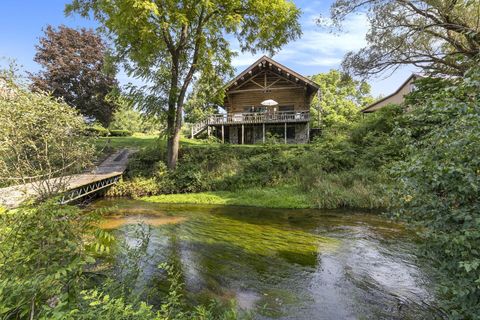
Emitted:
<point x="258" y="117"/>
<point x="250" y="118"/>
<point x="101" y="177"/>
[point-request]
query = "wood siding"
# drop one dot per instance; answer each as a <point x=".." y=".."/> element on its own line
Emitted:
<point x="395" y="98"/>
<point x="268" y="85"/>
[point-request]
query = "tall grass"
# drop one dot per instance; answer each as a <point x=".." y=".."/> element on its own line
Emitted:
<point x="345" y="189"/>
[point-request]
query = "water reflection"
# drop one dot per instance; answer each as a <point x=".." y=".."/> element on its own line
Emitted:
<point x="287" y="264"/>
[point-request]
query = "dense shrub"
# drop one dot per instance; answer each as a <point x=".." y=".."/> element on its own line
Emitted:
<point x="42" y="254"/>
<point x="97" y="131"/>
<point x="210" y="168"/>
<point x="136" y="187"/>
<point x="120" y="133"/>
<point x="316" y="168"/>
<point x="41" y="139"/>
<point x="437" y="186"/>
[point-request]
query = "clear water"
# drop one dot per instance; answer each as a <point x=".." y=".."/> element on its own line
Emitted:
<point x="278" y="264"/>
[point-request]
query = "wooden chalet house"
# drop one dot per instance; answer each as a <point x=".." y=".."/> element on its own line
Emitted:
<point x="265" y="98"/>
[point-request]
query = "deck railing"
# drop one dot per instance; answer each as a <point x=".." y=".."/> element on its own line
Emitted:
<point x="258" y="117"/>
<point x="250" y="118"/>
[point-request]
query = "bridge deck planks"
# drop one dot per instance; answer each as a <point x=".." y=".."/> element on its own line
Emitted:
<point x="114" y="165"/>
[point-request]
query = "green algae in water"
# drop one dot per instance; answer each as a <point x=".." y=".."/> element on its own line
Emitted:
<point x="300" y="264"/>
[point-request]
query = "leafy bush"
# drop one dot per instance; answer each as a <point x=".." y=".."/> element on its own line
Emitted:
<point x="127" y="118"/>
<point x="97" y="305"/>
<point x="121" y="133"/>
<point x="42" y="255"/>
<point x="234" y="168"/>
<point x="41" y="140"/>
<point x="437" y="187"/>
<point x="136" y="187"/>
<point x="49" y="259"/>
<point x="97" y="131"/>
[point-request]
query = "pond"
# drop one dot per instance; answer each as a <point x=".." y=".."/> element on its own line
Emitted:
<point x="277" y="264"/>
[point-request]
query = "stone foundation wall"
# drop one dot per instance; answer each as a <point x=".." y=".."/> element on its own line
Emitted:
<point x="233" y="135"/>
<point x="301" y="132"/>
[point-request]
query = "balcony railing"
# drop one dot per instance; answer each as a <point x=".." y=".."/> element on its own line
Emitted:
<point x="249" y="118"/>
<point x="258" y="117"/>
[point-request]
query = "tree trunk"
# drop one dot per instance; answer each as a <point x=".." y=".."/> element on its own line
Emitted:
<point x="172" y="150"/>
<point x="175" y="142"/>
<point x="174" y="145"/>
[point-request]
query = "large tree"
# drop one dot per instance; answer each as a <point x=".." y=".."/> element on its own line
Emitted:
<point x="341" y="99"/>
<point x="77" y="68"/>
<point x="440" y="36"/>
<point x="171" y="43"/>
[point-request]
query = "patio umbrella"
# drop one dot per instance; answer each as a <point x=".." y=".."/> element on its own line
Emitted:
<point x="269" y="103"/>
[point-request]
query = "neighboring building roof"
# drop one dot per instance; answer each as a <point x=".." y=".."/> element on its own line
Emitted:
<point x="396" y="97"/>
<point x="264" y="61"/>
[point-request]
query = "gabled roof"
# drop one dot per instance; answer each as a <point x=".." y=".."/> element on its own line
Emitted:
<point x="265" y="61"/>
<point x="413" y="77"/>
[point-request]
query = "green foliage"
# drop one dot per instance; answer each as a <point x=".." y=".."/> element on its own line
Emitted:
<point x="172" y="45"/>
<point x="136" y="187"/>
<point x="127" y="118"/>
<point x="97" y="305"/>
<point x="120" y="133"/>
<point x="76" y="67"/>
<point x="41" y="140"/>
<point x="292" y="176"/>
<point x="355" y="188"/>
<point x="341" y="97"/>
<point x="97" y="130"/>
<point x="437" y="185"/>
<point x="218" y="167"/>
<point x="42" y="255"/>
<point x="438" y="36"/>
<point x="291" y="197"/>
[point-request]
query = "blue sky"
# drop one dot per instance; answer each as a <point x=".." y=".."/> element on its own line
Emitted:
<point x="317" y="51"/>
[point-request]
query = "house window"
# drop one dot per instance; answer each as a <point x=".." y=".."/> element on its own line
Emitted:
<point x="286" y="108"/>
<point x="254" y="109"/>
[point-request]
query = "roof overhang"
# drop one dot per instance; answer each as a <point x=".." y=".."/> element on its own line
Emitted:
<point x="266" y="63"/>
<point x="369" y="108"/>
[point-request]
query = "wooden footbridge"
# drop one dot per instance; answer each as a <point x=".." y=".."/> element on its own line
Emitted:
<point x="78" y="186"/>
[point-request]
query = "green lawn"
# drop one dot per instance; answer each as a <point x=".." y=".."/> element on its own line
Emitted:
<point x="136" y="141"/>
<point x="273" y="197"/>
<point x="142" y="141"/>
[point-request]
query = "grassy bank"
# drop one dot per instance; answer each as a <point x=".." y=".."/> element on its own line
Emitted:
<point x="343" y="169"/>
<point x="290" y="197"/>
<point x="139" y="141"/>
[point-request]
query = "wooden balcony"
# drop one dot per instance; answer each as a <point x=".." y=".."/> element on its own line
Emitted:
<point x="250" y="118"/>
<point x="257" y="117"/>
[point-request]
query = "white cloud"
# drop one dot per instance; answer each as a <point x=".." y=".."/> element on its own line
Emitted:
<point x="319" y="50"/>
<point x="244" y="59"/>
<point x="322" y="62"/>
<point x="320" y="43"/>
<point x="317" y="47"/>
